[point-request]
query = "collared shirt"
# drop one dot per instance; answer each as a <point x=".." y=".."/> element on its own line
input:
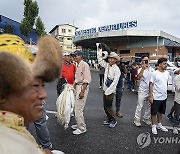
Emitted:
<point x="16" y="139"/>
<point x="112" y="72"/>
<point x="83" y="74"/>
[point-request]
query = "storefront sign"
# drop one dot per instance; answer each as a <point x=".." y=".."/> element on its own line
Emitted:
<point x="113" y="27"/>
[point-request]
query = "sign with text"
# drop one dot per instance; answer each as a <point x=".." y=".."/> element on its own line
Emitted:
<point x="112" y="27"/>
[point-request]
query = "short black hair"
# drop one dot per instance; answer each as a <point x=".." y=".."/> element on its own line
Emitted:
<point x="177" y="59"/>
<point x="161" y="60"/>
<point x="144" y="56"/>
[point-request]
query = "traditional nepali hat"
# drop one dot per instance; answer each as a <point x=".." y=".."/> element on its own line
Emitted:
<point x="18" y="66"/>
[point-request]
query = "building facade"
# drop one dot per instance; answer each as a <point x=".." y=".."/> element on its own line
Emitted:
<point x="130" y="43"/>
<point x="65" y="34"/>
<point x="5" y="21"/>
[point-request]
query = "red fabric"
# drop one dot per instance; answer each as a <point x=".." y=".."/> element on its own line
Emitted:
<point x="68" y="72"/>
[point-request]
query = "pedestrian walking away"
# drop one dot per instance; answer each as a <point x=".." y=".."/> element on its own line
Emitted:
<point x="101" y="76"/>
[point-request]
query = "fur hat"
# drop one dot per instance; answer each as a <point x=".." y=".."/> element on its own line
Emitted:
<point x="17" y="72"/>
<point x="114" y="55"/>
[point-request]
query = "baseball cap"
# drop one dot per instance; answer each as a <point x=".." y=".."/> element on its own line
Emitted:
<point x="78" y="52"/>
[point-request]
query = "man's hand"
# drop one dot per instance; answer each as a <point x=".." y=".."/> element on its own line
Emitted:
<point x="143" y="65"/>
<point x="47" y="151"/>
<point x="81" y="94"/>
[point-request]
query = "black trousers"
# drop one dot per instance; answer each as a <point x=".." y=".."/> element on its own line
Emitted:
<point x="60" y="85"/>
<point x="108" y="100"/>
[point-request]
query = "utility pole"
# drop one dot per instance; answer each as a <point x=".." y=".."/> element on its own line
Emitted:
<point x="157" y="47"/>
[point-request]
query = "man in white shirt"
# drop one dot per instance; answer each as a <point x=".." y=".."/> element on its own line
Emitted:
<point x="158" y="94"/>
<point x="176" y="104"/>
<point x="111" y="78"/>
<point x="175" y="72"/>
<point x="143" y="76"/>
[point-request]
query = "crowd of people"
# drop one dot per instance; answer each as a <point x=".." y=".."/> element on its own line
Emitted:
<point x="21" y="101"/>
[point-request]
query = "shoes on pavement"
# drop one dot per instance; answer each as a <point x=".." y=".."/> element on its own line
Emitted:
<point x="170" y="117"/>
<point x="100" y="87"/>
<point x="175" y="131"/>
<point x="119" y="114"/>
<point x="106" y="122"/>
<point x="74" y="127"/>
<point x="161" y="127"/>
<point x="78" y="132"/>
<point x="132" y="90"/>
<point x="57" y="152"/>
<point x="154" y="130"/>
<point x="112" y="124"/>
<point x="147" y="121"/>
<point x="137" y="123"/>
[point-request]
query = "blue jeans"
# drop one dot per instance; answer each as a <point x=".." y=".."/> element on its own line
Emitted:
<point x="42" y="131"/>
<point x="118" y="98"/>
<point x="129" y="82"/>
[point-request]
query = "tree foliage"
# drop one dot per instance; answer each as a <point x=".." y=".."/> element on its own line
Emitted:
<point x="25" y="27"/>
<point x="31" y="11"/>
<point x="40" y="30"/>
<point x="9" y="29"/>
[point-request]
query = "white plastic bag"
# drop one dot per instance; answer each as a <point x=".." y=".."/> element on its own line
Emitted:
<point x="65" y="105"/>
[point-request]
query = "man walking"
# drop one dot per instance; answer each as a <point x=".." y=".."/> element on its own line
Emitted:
<point x="158" y="94"/>
<point x="82" y="80"/>
<point x="144" y="74"/>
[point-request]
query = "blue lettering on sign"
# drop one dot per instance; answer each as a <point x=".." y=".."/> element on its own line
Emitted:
<point x="112" y="27"/>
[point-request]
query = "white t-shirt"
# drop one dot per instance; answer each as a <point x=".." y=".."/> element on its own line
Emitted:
<point x="144" y="80"/>
<point x="160" y="82"/>
<point x="177" y="87"/>
<point x="173" y="78"/>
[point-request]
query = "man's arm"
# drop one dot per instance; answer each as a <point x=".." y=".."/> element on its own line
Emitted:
<point x="100" y="59"/>
<point x="150" y="92"/>
<point x="140" y="74"/>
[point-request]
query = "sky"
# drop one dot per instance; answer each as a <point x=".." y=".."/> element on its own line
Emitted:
<point x="151" y="14"/>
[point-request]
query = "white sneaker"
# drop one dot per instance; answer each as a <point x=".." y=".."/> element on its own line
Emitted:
<point x="154" y="130"/>
<point x="159" y="126"/>
<point x="74" y="127"/>
<point x="78" y="132"/>
<point x="57" y="152"/>
<point x="137" y="123"/>
<point x="100" y="87"/>
<point x="147" y="121"/>
<point x="175" y="131"/>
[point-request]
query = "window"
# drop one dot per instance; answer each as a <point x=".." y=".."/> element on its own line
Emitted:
<point x="124" y="51"/>
<point x="69" y="38"/>
<point x="63" y="30"/>
<point x="69" y="30"/>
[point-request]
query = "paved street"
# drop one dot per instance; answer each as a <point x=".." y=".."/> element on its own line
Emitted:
<point x="100" y="139"/>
